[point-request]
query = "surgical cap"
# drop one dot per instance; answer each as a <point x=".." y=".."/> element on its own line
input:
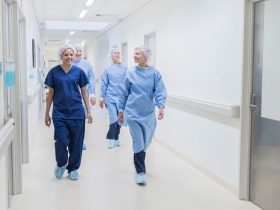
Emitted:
<point x="79" y="47"/>
<point x="146" y="52"/>
<point x="113" y="50"/>
<point x="65" y="47"/>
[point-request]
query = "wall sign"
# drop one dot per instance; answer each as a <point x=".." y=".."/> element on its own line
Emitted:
<point x="9" y="74"/>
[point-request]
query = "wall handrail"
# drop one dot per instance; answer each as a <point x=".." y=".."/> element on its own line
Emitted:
<point x="32" y="96"/>
<point x="228" y="110"/>
<point x="7" y="134"/>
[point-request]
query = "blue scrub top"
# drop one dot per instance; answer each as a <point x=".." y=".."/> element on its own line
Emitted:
<point x="111" y="79"/>
<point x="87" y="68"/>
<point x="142" y="90"/>
<point x="67" y="99"/>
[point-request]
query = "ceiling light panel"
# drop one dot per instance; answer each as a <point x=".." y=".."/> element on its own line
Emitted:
<point x="89" y="3"/>
<point x="75" y="25"/>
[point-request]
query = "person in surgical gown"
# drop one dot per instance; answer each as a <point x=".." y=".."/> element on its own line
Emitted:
<point x="87" y="68"/>
<point x="111" y="79"/>
<point x="67" y="87"/>
<point x="142" y="90"/>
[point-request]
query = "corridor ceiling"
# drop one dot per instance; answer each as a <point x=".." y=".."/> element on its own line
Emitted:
<point x="109" y="12"/>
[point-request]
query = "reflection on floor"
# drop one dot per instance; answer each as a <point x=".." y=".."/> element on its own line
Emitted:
<point x="107" y="179"/>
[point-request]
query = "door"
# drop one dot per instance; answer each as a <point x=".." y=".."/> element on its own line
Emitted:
<point x="11" y="93"/>
<point x="1" y="71"/>
<point x="265" y="121"/>
<point x="150" y="42"/>
<point x="7" y="93"/>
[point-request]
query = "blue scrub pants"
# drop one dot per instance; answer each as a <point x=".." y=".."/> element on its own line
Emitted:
<point x="139" y="162"/>
<point x="114" y="131"/>
<point x="69" y="137"/>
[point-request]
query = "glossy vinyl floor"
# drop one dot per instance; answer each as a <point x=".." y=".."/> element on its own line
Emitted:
<point x="107" y="178"/>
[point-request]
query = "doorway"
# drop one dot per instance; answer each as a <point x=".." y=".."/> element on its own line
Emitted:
<point x="124" y="54"/>
<point x="150" y="42"/>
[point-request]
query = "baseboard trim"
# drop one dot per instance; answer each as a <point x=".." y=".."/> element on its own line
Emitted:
<point x="200" y="168"/>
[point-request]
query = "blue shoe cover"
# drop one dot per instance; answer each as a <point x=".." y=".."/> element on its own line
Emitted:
<point x="59" y="171"/>
<point x="110" y="143"/>
<point x="117" y="143"/>
<point x="140" y="178"/>
<point x="84" y="146"/>
<point x="73" y="175"/>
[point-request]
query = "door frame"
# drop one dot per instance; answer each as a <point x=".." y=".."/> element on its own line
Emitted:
<point x="147" y="42"/>
<point x="124" y="53"/>
<point x="245" y="144"/>
<point x="23" y="100"/>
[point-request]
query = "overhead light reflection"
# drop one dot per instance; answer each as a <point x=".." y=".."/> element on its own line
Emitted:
<point x="83" y="13"/>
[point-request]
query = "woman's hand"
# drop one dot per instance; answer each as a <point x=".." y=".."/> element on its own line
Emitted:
<point x="48" y="120"/>
<point x="120" y="117"/>
<point x="160" y="113"/>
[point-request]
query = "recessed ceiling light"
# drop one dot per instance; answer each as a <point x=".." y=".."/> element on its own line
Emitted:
<point x="83" y="13"/>
<point x="71" y="32"/>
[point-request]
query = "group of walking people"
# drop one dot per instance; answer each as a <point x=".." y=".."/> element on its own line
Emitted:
<point x="129" y="95"/>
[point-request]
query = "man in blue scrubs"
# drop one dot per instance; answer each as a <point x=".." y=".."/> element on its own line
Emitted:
<point x="87" y="68"/>
<point x="67" y="87"/>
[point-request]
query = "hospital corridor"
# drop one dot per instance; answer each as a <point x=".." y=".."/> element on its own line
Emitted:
<point x="139" y="105"/>
<point x="107" y="182"/>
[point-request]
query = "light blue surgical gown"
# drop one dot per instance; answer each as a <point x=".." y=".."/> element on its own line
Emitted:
<point x="142" y="90"/>
<point x="112" y="77"/>
<point x="86" y="67"/>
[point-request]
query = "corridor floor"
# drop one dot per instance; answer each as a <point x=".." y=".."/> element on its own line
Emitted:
<point x="107" y="178"/>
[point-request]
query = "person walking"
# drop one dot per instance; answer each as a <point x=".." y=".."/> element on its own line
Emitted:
<point x="87" y="68"/>
<point x="111" y="79"/>
<point x="142" y="90"/>
<point x="67" y="87"/>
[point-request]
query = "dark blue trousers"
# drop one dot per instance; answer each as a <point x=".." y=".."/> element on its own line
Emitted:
<point x="114" y="131"/>
<point x="139" y="162"/>
<point x="69" y="137"/>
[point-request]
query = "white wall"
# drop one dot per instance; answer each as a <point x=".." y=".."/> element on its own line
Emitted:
<point x="271" y="63"/>
<point x="3" y="184"/>
<point x="199" y="53"/>
<point x="32" y="32"/>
